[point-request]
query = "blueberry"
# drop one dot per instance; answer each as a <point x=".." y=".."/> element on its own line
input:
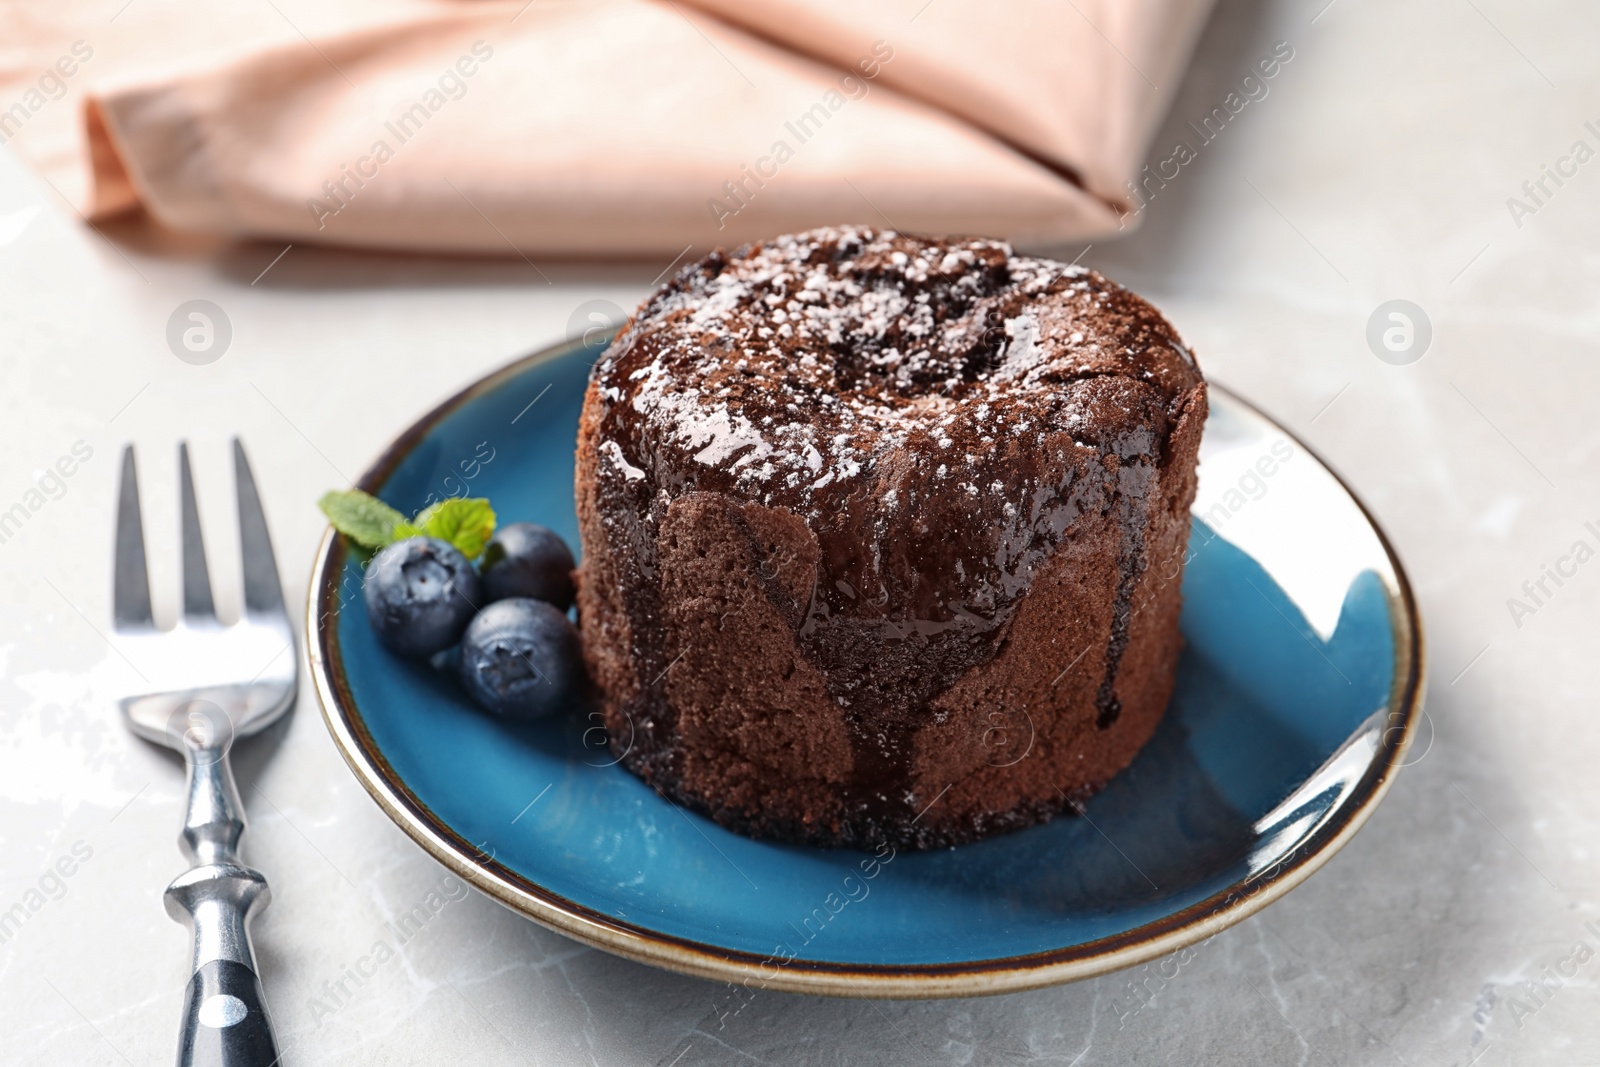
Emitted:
<point x="421" y="593"/>
<point x="525" y="559"/>
<point x="520" y="658"/>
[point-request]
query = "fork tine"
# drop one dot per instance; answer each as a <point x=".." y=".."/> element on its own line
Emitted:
<point x="262" y="593"/>
<point x="196" y="582"/>
<point x="130" y="585"/>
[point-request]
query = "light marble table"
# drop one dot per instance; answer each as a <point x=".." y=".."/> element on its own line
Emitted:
<point x="1378" y="167"/>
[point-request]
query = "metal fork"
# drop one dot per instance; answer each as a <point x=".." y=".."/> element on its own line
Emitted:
<point x="209" y="684"/>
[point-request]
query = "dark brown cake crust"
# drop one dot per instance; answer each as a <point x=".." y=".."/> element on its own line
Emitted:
<point x="882" y="535"/>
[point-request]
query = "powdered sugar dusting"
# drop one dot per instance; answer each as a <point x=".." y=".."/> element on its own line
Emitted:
<point x="836" y="359"/>
<point x="613" y="451"/>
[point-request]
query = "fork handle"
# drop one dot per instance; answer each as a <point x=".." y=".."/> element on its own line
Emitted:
<point x="225" y="1021"/>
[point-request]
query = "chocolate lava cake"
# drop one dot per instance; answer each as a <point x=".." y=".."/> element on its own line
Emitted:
<point x="882" y="535"/>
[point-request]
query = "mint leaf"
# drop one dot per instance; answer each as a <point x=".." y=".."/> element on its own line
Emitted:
<point x="466" y="523"/>
<point x="369" y="522"/>
<point x="362" y="517"/>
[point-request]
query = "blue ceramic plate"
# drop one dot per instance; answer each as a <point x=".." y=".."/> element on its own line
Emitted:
<point x="1295" y="701"/>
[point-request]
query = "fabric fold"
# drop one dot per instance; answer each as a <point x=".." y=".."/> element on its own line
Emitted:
<point x="638" y="127"/>
<point x="1065" y="83"/>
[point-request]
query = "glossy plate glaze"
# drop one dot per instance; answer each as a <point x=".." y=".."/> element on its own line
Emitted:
<point x="1296" y="699"/>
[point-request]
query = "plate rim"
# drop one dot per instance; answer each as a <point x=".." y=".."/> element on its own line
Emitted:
<point x="1170" y="933"/>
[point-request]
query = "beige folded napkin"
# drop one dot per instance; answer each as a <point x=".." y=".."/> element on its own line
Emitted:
<point x="624" y="127"/>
